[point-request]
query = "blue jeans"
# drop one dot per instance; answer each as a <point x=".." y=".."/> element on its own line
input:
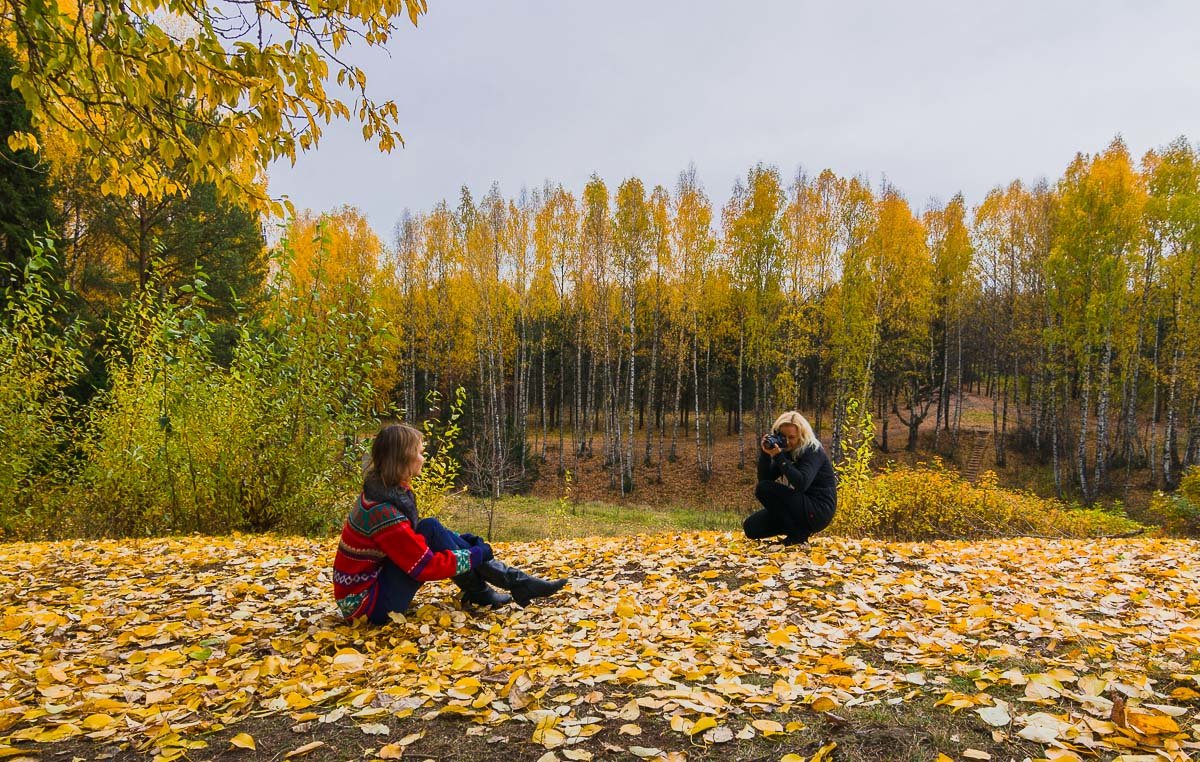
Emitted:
<point x="395" y="588"/>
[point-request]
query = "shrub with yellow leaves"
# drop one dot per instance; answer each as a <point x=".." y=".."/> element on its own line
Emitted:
<point x="1179" y="513"/>
<point x="930" y="501"/>
<point x="440" y="472"/>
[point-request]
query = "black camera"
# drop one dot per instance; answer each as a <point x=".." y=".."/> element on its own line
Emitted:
<point x="775" y="440"/>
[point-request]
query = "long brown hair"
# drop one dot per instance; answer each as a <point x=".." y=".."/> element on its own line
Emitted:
<point x="392" y="453"/>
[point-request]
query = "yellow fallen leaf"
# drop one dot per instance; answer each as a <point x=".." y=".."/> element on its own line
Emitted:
<point x="300" y="751"/>
<point x="349" y="660"/>
<point x="976" y="754"/>
<point x="630" y="711"/>
<point x="390" y="751"/>
<point x="547" y="735"/>
<point x="824" y="704"/>
<point x="629" y="729"/>
<point x="824" y="752"/>
<point x="779" y="637"/>
<point x="702" y="724"/>
<point x="1184" y="693"/>
<point x="792" y="758"/>
<point x="1151" y="724"/>
<point x="97" y="721"/>
<point x="243" y="741"/>
<point x="53" y="735"/>
<point x="767" y="727"/>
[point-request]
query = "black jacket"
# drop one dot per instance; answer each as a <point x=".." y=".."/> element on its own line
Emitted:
<point x="810" y="473"/>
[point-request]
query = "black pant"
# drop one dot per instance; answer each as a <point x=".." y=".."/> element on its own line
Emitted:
<point x="785" y="511"/>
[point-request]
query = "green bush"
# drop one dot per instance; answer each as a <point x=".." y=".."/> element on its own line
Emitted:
<point x="38" y="362"/>
<point x="180" y="443"/>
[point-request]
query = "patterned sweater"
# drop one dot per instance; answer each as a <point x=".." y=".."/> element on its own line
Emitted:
<point x="379" y="530"/>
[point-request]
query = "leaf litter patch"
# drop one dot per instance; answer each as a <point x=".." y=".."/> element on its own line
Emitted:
<point x="230" y="648"/>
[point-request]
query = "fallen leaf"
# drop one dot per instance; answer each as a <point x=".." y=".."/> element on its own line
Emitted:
<point x="300" y="751"/>
<point x="997" y="715"/>
<point x="243" y="741"/>
<point x="767" y="727"/>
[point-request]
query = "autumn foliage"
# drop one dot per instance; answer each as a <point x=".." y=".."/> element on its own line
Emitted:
<point x="931" y="501"/>
<point x="700" y="645"/>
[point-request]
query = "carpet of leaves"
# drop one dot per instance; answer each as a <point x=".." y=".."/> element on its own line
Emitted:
<point x="669" y="646"/>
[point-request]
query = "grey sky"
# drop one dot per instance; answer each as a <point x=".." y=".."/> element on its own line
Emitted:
<point x="937" y="97"/>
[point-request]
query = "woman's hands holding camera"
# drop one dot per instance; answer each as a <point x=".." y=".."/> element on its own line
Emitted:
<point x="771" y="445"/>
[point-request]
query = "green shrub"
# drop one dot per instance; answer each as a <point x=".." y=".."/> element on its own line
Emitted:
<point x="179" y="443"/>
<point x="1179" y="512"/>
<point x="38" y="362"/>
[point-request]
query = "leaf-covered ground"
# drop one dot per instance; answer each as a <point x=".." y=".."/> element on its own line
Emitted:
<point x="673" y="646"/>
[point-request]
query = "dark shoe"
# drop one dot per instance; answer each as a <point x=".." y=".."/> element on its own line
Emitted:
<point x="524" y="587"/>
<point x="795" y="539"/>
<point x="477" y="593"/>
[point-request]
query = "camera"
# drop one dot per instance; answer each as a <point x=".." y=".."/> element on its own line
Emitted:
<point x="775" y="440"/>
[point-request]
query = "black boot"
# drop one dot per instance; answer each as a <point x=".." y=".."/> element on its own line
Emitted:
<point x="524" y="587"/>
<point x="476" y="591"/>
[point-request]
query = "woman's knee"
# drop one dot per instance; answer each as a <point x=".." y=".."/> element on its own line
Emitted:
<point x="429" y="524"/>
<point x="757" y="525"/>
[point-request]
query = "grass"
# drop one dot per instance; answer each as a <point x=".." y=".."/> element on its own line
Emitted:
<point x="523" y="518"/>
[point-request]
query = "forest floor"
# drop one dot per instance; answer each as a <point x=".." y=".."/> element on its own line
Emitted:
<point x="676" y="484"/>
<point x="669" y="646"/>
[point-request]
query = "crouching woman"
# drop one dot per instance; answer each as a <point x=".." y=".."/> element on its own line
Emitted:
<point x="805" y="502"/>
<point x="387" y="551"/>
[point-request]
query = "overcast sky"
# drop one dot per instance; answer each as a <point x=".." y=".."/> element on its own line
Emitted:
<point x="936" y="97"/>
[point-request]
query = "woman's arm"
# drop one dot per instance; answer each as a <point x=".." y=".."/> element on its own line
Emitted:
<point x="409" y="551"/>
<point x="800" y="474"/>
<point x="766" y="469"/>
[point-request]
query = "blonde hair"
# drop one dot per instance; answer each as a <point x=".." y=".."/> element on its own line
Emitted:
<point x="808" y="440"/>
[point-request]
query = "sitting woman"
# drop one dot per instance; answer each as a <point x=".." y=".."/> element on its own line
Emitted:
<point x="806" y="503"/>
<point x="386" y="551"/>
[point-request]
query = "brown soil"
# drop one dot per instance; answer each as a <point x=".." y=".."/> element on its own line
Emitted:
<point x="664" y="482"/>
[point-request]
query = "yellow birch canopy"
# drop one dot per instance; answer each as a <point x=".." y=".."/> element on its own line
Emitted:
<point x="226" y="87"/>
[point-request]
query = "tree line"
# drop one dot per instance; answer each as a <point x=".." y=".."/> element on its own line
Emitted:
<point x="632" y="323"/>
